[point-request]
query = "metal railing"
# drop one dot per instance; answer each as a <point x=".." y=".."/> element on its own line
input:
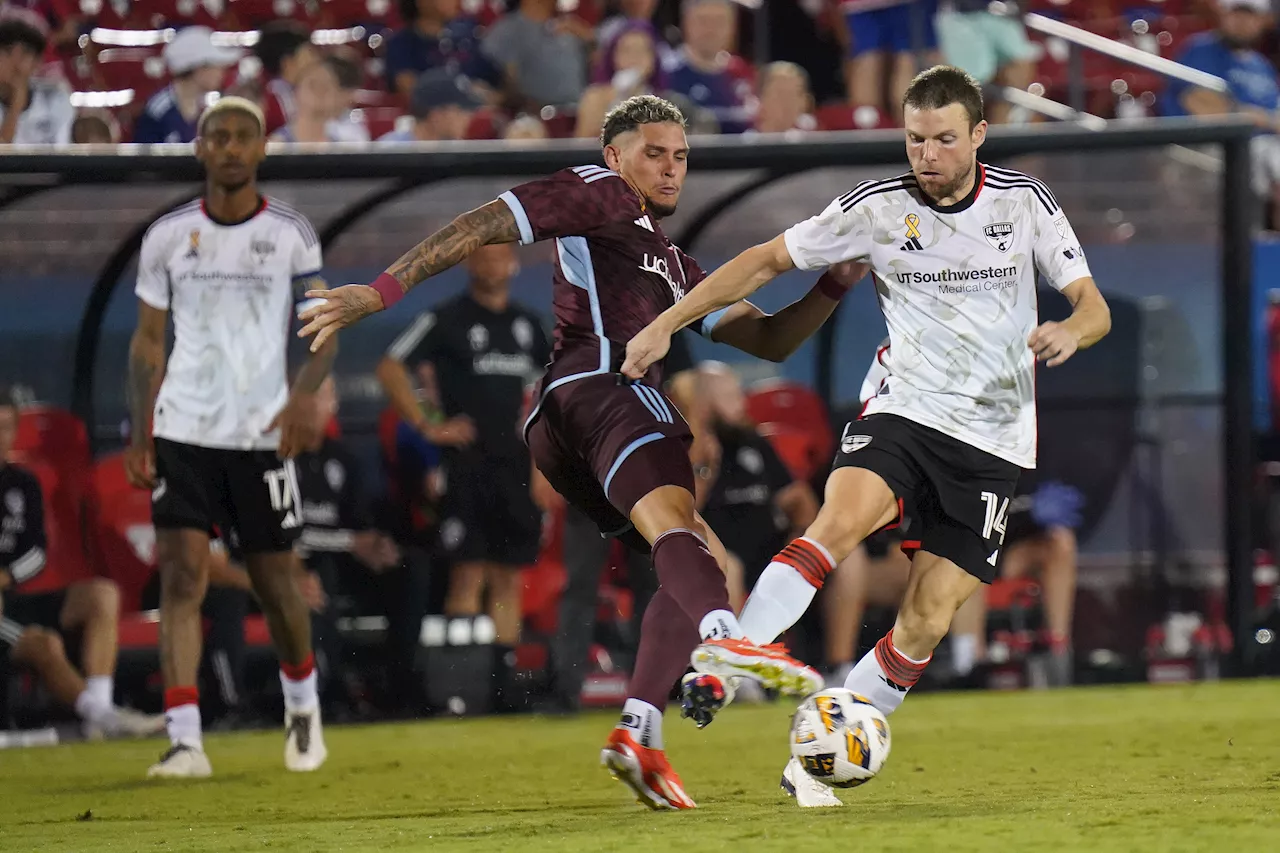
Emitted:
<point x="1078" y="39"/>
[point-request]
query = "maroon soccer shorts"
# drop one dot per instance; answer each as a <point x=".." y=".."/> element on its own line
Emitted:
<point x="604" y="443"/>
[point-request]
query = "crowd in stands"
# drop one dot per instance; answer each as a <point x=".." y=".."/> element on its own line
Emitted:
<point x="361" y="70"/>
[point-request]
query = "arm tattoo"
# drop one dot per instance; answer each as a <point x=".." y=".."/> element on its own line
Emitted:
<point x="492" y="223"/>
<point x="146" y="364"/>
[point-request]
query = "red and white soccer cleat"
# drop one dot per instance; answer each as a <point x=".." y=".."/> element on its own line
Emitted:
<point x="770" y="665"/>
<point x="645" y="771"/>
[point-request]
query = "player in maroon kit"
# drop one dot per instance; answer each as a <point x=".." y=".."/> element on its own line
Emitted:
<point x="614" y="447"/>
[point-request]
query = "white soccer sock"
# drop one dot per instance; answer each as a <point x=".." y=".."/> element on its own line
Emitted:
<point x="91" y="708"/>
<point x="183" y="725"/>
<point x="300" y="695"/>
<point x="964" y="653"/>
<point x="784" y="592"/>
<point x="644" y="721"/>
<point x="871" y="676"/>
<point x="720" y="625"/>
<point x="102" y="687"/>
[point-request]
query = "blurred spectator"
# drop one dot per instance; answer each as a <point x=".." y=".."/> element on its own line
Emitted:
<point x="198" y="67"/>
<point x="436" y="36"/>
<point x="525" y="127"/>
<point x="32" y="112"/>
<point x="317" y="103"/>
<point x="754" y="504"/>
<point x="32" y="623"/>
<point x="59" y="21"/>
<point x="1231" y="52"/>
<point x="358" y="565"/>
<point x="705" y="71"/>
<point x="347" y="124"/>
<point x="543" y="55"/>
<point x="888" y="42"/>
<point x="629" y="12"/>
<point x="990" y="46"/>
<point x="485" y="349"/>
<point x="442" y="107"/>
<point x="631" y="68"/>
<point x="91" y="129"/>
<point x="284" y="49"/>
<point x="786" y="103"/>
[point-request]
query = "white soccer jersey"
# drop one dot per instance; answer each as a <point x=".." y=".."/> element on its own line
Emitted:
<point x="230" y="291"/>
<point x="957" y="286"/>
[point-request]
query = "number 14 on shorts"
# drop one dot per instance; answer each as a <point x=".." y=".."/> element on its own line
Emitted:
<point x="996" y="519"/>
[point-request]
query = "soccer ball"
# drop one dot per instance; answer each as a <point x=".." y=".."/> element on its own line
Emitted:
<point x="839" y="738"/>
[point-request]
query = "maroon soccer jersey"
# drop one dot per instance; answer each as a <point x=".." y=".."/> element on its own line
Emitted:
<point x="615" y="269"/>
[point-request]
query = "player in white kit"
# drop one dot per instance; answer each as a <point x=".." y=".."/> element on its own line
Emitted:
<point x="215" y="441"/>
<point x="955" y="246"/>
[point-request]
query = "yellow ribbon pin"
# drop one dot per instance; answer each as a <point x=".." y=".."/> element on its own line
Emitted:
<point x="913" y="221"/>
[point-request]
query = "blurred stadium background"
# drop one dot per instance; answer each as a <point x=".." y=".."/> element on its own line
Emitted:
<point x="1160" y="429"/>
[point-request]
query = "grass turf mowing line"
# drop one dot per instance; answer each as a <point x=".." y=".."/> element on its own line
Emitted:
<point x="1139" y="768"/>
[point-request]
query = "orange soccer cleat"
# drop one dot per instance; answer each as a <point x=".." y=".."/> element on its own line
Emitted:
<point x="645" y="771"/>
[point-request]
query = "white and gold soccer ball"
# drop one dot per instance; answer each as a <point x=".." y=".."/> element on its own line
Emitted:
<point x="839" y="738"/>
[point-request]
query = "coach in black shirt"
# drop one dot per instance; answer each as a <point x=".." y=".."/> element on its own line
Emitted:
<point x="485" y="350"/>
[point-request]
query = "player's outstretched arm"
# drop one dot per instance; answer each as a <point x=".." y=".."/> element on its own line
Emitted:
<point x="1090" y="320"/>
<point x="297" y="429"/>
<point x="731" y="283"/>
<point x="342" y="306"/>
<point x="146" y="369"/>
<point x="776" y="337"/>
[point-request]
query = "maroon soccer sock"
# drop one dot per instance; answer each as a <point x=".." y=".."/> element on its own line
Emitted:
<point x="691" y="576"/>
<point x="667" y="639"/>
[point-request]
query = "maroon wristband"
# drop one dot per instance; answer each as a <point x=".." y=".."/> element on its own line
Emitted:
<point x="830" y="288"/>
<point x="389" y="289"/>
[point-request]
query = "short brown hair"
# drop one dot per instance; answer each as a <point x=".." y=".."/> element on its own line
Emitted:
<point x="638" y="110"/>
<point x="942" y="86"/>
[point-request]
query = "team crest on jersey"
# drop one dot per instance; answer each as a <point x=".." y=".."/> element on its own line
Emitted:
<point x="1061" y="224"/>
<point x="261" y="250"/>
<point x="522" y="331"/>
<point x="335" y="474"/>
<point x="479" y="337"/>
<point x="853" y="443"/>
<point x="750" y="459"/>
<point x="193" y="248"/>
<point x="999" y="235"/>
<point x="14" y="502"/>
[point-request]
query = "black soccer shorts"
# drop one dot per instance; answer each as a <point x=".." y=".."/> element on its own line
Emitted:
<point x="487" y="513"/>
<point x="959" y="495"/>
<point x="253" y="494"/>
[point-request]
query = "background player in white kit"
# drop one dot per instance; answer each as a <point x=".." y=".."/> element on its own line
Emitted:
<point x="955" y="246"/>
<point x="226" y="424"/>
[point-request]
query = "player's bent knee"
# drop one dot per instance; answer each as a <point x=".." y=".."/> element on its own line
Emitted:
<point x="39" y="646"/>
<point x="182" y="580"/>
<point x="856" y="504"/>
<point x="105" y="596"/>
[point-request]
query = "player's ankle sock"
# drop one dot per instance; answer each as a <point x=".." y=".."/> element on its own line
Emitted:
<point x="964" y="653"/>
<point x="102" y="687"/>
<point x="785" y="589"/>
<point x="884" y="675"/>
<point x="182" y="716"/>
<point x="692" y="577"/>
<point x="667" y="639"/>
<point x="91" y="708"/>
<point x="298" y="681"/>
<point x="644" y="721"/>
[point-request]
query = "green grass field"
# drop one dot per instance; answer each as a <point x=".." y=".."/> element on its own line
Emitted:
<point x="1132" y="769"/>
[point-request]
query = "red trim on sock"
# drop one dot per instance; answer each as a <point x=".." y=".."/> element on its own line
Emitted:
<point x="806" y="559"/>
<point x="901" y="671"/>
<point x="910" y="547"/>
<point x="297" y="672"/>
<point x="176" y="696"/>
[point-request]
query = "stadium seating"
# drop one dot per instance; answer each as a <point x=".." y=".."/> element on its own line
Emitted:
<point x="778" y="406"/>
